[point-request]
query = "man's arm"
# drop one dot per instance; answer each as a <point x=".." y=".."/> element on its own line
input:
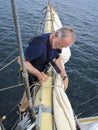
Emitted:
<point x="41" y="77"/>
<point x="60" y="64"/>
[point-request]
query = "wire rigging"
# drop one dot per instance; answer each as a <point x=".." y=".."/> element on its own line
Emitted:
<point x="8" y="56"/>
<point x="8" y="64"/>
<point x="7" y="88"/>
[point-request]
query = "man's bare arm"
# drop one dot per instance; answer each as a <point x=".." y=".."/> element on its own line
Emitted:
<point x="60" y="64"/>
<point x="32" y="70"/>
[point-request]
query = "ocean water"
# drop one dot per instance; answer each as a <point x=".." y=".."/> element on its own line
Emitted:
<point x="82" y="68"/>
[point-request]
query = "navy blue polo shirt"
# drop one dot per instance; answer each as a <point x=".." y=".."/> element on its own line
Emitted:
<point x="39" y="51"/>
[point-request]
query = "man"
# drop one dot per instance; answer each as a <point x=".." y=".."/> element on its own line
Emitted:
<point x="47" y="47"/>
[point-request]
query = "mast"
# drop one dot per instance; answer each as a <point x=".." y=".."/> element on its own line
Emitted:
<point x="25" y="75"/>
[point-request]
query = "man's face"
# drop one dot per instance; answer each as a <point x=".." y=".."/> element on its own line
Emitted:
<point x="61" y="43"/>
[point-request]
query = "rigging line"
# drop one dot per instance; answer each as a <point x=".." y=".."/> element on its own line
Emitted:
<point x="10" y="33"/>
<point x="5" y="37"/>
<point x="89" y="100"/>
<point x="8" y="56"/>
<point x="38" y="26"/>
<point x="7" y="88"/>
<point x="79" y="114"/>
<point x="14" y="43"/>
<point x="42" y="23"/>
<point x="17" y="121"/>
<point x="82" y="104"/>
<point x="8" y="64"/>
<point x="11" y="109"/>
<point x="94" y="114"/>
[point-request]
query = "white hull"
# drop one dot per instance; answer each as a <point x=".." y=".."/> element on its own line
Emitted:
<point x="90" y="123"/>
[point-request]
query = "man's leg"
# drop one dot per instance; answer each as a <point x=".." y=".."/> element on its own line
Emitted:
<point x="24" y="103"/>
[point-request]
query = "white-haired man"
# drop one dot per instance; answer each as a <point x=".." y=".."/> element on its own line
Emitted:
<point x="44" y="48"/>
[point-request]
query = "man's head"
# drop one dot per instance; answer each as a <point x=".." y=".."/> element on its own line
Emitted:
<point x="63" y="37"/>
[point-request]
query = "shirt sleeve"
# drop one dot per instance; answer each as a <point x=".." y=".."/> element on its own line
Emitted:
<point x="34" y="50"/>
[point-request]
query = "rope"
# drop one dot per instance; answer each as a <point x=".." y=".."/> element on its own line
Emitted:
<point x="8" y="57"/>
<point x="8" y="64"/>
<point x="35" y="84"/>
<point x="96" y="114"/>
<point x="88" y="100"/>
<point x="17" y="121"/>
<point x="9" y="111"/>
<point x="53" y="86"/>
<point x="14" y="86"/>
<point x="5" y="42"/>
<point x="5" y="37"/>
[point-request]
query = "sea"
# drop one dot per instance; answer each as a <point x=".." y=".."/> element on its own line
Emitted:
<point x="82" y="68"/>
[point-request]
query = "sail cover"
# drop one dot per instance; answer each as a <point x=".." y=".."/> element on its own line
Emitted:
<point x="63" y="113"/>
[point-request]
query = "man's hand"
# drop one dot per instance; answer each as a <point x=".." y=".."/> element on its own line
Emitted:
<point x="42" y="77"/>
<point x="32" y="70"/>
<point x="60" y="64"/>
